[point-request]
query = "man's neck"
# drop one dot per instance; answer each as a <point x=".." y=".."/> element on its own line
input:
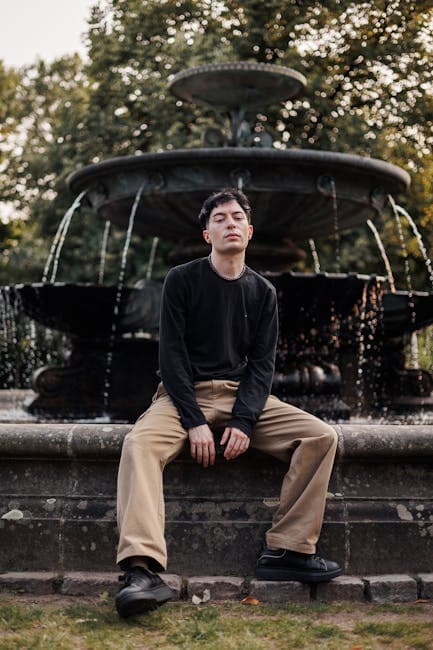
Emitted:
<point x="229" y="266"/>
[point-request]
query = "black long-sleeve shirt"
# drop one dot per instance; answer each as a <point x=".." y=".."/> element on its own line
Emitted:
<point x="212" y="328"/>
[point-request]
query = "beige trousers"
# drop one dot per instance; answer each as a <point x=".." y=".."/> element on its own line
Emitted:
<point x="303" y="441"/>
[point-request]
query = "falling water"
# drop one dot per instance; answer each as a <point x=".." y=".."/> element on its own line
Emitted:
<point x="59" y="239"/>
<point x="150" y="264"/>
<point x="6" y="365"/>
<point x="9" y="338"/>
<point x="414" y="338"/>
<point x="381" y="248"/>
<point x="336" y="226"/>
<point x="32" y="346"/>
<point x="120" y="282"/>
<point x="414" y="351"/>
<point x="104" y="251"/>
<point x="413" y="347"/>
<point x="403" y="246"/>
<point x="314" y="255"/>
<point x="361" y="348"/>
<point x="368" y="364"/>
<point x="421" y="245"/>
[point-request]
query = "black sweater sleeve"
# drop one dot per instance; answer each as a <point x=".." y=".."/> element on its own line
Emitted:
<point x="174" y="363"/>
<point x="255" y="385"/>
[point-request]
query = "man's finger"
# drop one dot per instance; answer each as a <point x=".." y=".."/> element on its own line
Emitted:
<point x="212" y="453"/>
<point x="205" y="455"/>
<point x="193" y="449"/>
<point x="236" y="446"/>
<point x="226" y="434"/>
<point x="230" y="449"/>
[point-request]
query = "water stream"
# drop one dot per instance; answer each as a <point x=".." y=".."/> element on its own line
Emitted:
<point x="6" y="366"/>
<point x="382" y="251"/>
<point x="151" y="261"/>
<point x="336" y="222"/>
<point x="421" y="245"/>
<point x="120" y="283"/>
<point x="414" y="346"/>
<point x="103" y="252"/>
<point x="361" y="349"/>
<point x="59" y="239"/>
<point x="315" y="256"/>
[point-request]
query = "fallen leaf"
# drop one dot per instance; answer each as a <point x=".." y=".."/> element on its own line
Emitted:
<point x="250" y="600"/>
<point x="421" y="601"/>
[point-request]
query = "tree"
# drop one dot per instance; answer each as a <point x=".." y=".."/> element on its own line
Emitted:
<point x="369" y="71"/>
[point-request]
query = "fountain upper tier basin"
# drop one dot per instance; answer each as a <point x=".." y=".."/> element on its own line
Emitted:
<point x="291" y="191"/>
<point x="239" y="84"/>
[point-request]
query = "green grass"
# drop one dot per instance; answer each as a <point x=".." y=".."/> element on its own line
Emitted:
<point x="64" y="624"/>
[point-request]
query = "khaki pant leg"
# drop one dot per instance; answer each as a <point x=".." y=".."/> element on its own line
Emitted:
<point x="309" y="445"/>
<point x="156" y="438"/>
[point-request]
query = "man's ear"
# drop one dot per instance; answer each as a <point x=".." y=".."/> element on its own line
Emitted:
<point x="206" y="237"/>
<point x="250" y="231"/>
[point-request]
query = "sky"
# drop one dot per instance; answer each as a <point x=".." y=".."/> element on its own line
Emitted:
<point x="44" y="28"/>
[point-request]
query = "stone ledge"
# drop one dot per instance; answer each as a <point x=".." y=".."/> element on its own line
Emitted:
<point x="279" y="592"/>
<point x="425" y="584"/>
<point x="30" y="582"/>
<point x="219" y="587"/>
<point x="81" y="583"/>
<point x="75" y="440"/>
<point x="374" y="589"/>
<point x="347" y="588"/>
<point x="397" y="588"/>
<point x="92" y="584"/>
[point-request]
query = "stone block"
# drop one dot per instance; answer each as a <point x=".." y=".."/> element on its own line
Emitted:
<point x="31" y="582"/>
<point x="86" y="583"/>
<point x="426" y="585"/>
<point x="91" y="583"/>
<point x="280" y="592"/>
<point x="175" y="582"/>
<point x="396" y="588"/>
<point x="348" y="588"/>
<point x="219" y="587"/>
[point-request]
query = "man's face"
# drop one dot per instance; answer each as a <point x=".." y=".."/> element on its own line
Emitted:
<point x="228" y="230"/>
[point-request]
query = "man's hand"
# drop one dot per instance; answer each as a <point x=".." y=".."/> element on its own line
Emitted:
<point x="238" y="442"/>
<point x="202" y="445"/>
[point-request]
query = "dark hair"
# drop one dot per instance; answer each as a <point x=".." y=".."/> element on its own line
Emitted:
<point x="218" y="198"/>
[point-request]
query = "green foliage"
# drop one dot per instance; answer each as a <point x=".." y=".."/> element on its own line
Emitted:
<point x="370" y="91"/>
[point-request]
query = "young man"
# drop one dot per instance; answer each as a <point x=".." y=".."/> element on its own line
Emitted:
<point x="218" y="335"/>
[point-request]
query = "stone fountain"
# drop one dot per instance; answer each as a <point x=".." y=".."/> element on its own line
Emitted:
<point x="295" y="195"/>
<point x="340" y="349"/>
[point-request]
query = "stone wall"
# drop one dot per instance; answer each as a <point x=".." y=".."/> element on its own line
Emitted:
<point x="58" y="488"/>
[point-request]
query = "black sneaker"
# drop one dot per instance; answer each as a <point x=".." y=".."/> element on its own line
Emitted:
<point x="290" y="565"/>
<point x="142" y="591"/>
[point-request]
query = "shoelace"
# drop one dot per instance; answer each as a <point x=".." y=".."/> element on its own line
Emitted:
<point x="321" y="561"/>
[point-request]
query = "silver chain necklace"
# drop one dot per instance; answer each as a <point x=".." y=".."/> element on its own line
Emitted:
<point x="225" y="277"/>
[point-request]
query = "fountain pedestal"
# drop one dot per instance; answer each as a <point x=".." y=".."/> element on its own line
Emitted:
<point x="86" y="387"/>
